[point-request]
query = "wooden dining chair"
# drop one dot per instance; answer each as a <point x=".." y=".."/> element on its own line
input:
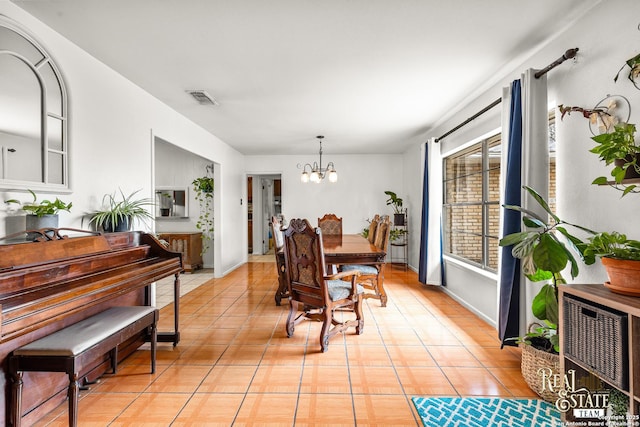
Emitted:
<point x="373" y="225"/>
<point x="276" y="231"/>
<point x="313" y="292"/>
<point x="330" y="224"/>
<point x="372" y="276"/>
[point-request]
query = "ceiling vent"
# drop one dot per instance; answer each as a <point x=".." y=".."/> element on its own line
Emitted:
<point x="203" y="97"/>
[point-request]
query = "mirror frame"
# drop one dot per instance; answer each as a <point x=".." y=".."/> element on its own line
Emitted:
<point x="45" y="114"/>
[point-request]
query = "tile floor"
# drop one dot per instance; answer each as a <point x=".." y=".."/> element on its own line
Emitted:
<point x="234" y="365"/>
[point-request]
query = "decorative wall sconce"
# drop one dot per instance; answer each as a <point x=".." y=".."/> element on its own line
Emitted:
<point x="316" y="172"/>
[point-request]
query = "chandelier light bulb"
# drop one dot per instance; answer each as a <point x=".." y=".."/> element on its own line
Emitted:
<point x="317" y="173"/>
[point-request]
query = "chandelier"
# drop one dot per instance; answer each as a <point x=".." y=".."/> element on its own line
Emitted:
<point x="316" y="172"/>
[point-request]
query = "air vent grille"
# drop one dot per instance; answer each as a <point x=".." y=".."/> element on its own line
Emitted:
<point x="203" y="97"/>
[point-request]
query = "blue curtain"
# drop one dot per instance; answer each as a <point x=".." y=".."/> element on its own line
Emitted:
<point x="424" y="222"/>
<point x="509" y="298"/>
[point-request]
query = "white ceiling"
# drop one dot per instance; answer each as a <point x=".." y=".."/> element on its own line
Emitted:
<point x="371" y="75"/>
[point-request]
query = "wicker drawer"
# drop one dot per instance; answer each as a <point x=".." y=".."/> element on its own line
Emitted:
<point x="596" y="337"/>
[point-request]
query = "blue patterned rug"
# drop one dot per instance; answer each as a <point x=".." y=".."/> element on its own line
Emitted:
<point x="486" y="412"/>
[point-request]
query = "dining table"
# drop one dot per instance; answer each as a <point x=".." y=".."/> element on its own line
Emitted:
<point x="345" y="249"/>
<point x="351" y="249"/>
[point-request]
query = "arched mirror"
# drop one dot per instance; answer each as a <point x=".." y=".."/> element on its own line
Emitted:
<point x="33" y="115"/>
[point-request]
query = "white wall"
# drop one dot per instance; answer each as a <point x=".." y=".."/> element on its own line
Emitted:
<point x="583" y="82"/>
<point x="111" y="123"/>
<point x="357" y="196"/>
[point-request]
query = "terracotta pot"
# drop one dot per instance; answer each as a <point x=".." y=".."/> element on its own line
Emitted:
<point x="624" y="276"/>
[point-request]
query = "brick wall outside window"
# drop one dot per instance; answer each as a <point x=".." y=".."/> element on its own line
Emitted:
<point x="471" y="210"/>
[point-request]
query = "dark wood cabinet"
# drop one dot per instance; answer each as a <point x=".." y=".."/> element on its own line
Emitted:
<point x="189" y="244"/>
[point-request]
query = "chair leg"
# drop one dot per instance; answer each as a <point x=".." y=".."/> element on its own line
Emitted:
<point x="380" y="287"/>
<point x="357" y="307"/>
<point x="326" y="326"/>
<point x="291" y="318"/>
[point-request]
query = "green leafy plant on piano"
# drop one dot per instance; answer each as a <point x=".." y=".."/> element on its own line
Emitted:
<point x="43" y="207"/>
<point x="119" y="214"/>
<point x="41" y="214"/>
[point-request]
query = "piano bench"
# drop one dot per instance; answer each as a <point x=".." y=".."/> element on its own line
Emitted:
<point x="68" y="349"/>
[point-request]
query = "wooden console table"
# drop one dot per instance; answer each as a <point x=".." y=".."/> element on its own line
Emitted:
<point x="189" y="244"/>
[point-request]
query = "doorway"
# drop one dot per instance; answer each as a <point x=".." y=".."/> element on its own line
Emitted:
<point x="264" y="200"/>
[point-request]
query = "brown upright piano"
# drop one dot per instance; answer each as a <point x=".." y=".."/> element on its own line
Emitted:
<point x="63" y="277"/>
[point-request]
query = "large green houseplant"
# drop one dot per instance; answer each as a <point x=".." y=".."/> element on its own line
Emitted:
<point x="544" y="256"/>
<point x="119" y="214"/>
<point x="546" y="249"/>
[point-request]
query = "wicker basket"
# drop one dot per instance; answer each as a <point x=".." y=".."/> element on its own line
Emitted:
<point x="532" y="361"/>
<point x="587" y="323"/>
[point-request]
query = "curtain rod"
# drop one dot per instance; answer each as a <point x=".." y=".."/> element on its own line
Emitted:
<point x="567" y="55"/>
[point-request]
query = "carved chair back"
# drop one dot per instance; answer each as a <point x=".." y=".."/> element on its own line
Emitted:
<point x="304" y="258"/>
<point x="330" y="224"/>
<point x="373" y="226"/>
<point x="382" y="235"/>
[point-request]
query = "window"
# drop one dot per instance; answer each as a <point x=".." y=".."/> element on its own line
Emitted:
<point x="472" y="203"/>
<point x="33" y="114"/>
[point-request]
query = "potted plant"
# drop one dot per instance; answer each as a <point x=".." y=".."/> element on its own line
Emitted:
<point x="397" y="234"/>
<point x="203" y="188"/>
<point x="42" y="214"/>
<point x="396" y="204"/>
<point x="620" y="257"/>
<point x="620" y="149"/>
<point x="543" y="258"/>
<point x="615" y="146"/>
<point x="119" y="215"/>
